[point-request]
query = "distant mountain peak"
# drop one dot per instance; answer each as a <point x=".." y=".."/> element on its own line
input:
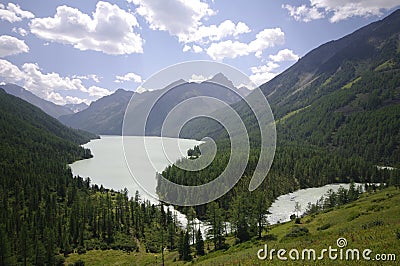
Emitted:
<point x="48" y="107"/>
<point x="221" y="79"/>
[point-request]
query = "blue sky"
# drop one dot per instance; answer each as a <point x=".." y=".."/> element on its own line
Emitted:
<point x="74" y="51"/>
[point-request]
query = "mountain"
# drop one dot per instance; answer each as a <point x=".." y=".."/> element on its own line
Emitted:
<point x="103" y="116"/>
<point x="76" y="107"/>
<point x="41" y="217"/>
<point x="48" y="107"/>
<point x="337" y="114"/>
<point x="343" y="96"/>
<point x="106" y="114"/>
<point x="334" y="64"/>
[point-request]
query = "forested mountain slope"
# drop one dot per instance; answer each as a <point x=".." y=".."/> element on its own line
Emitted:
<point x="337" y="113"/>
<point x="48" y="107"/>
<point x="45" y="213"/>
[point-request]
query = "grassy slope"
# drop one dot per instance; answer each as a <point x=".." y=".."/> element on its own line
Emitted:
<point x="370" y="222"/>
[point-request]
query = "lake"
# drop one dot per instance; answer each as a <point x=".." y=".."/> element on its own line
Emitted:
<point x="108" y="168"/>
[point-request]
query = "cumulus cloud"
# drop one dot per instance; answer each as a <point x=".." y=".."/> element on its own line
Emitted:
<point x="227" y="49"/>
<point x="194" y="48"/>
<point x="109" y="30"/>
<point x="98" y="92"/>
<point x="43" y="83"/>
<point x="284" y="55"/>
<point x="175" y="16"/>
<point x="76" y="100"/>
<point x="20" y="31"/>
<point x="338" y="10"/>
<point x="13" y="13"/>
<point x="198" y="78"/>
<point x="215" y="32"/>
<point x="128" y="77"/>
<point x="10" y="46"/>
<point x="49" y="86"/>
<point x="197" y="49"/>
<point x="185" y="20"/>
<point x="10" y="72"/>
<point x="304" y="13"/>
<point x="231" y="49"/>
<point x="93" y="77"/>
<point x="262" y="74"/>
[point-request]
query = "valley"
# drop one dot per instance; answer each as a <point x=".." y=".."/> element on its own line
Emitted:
<point x="337" y="121"/>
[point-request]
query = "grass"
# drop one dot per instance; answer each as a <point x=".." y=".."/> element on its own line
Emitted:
<point x="282" y="120"/>
<point x="389" y="64"/>
<point x="350" y="84"/>
<point x="371" y="222"/>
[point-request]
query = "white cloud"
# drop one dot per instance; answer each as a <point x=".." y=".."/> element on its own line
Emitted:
<point x="20" y="31"/>
<point x="261" y="78"/>
<point x="42" y="84"/>
<point x="338" y="10"/>
<point x="175" y="16"/>
<point x="197" y="49"/>
<point x="194" y="48"/>
<point x="109" y="30"/>
<point x="215" y="33"/>
<point x="76" y="100"/>
<point x="231" y="49"/>
<point x="93" y="77"/>
<point x="98" y="91"/>
<point x="198" y="78"/>
<point x="48" y="86"/>
<point x="184" y="19"/>
<point x="13" y="13"/>
<point x="10" y="72"/>
<point x="128" y="77"/>
<point x="227" y="49"/>
<point x="264" y="68"/>
<point x="10" y="46"/>
<point x="262" y="74"/>
<point x="304" y="13"/>
<point x="284" y="55"/>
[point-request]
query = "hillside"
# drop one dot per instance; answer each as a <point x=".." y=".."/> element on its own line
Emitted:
<point x="45" y="213"/>
<point x="336" y="127"/>
<point x="371" y="222"/>
<point x="48" y="107"/>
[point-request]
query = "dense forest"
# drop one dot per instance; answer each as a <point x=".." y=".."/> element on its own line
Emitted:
<point x="337" y="117"/>
<point x="46" y="214"/>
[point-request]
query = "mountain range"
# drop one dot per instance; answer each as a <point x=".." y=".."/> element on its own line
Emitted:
<point x="343" y="96"/>
<point x="105" y="115"/>
<point x="48" y="107"/>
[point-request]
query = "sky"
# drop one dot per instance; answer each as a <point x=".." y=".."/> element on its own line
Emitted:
<point x="79" y="51"/>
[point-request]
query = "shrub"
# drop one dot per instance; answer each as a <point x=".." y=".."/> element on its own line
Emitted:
<point x="297" y="231"/>
<point x="81" y="250"/>
<point x="372" y="224"/>
<point x="324" y="227"/>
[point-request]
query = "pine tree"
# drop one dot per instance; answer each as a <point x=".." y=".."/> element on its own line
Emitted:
<point x="199" y="243"/>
